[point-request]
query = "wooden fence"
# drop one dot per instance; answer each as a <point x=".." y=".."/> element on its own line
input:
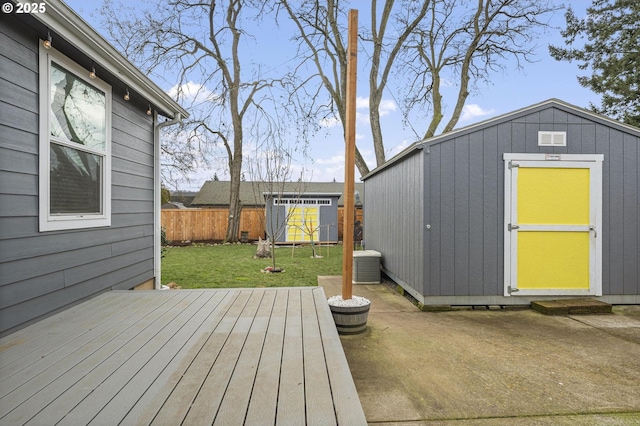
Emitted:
<point x="211" y="224"/>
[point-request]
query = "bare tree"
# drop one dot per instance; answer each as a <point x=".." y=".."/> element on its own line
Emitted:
<point x="311" y="229"/>
<point x="270" y="171"/>
<point x="421" y="44"/>
<point x="462" y="43"/>
<point x="386" y="49"/>
<point x="321" y="42"/>
<point x="202" y="41"/>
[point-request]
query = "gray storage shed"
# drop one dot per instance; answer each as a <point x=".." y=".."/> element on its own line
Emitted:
<point x="294" y="217"/>
<point x="539" y="203"/>
<point x="79" y="166"/>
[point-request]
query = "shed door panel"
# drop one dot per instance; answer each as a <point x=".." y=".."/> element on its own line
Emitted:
<point x="553" y="260"/>
<point x="302" y="224"/>
<point x="552" y="216"/>
<point x="553" y="195"/>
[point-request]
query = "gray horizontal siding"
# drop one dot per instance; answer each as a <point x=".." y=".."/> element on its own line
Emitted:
<point x="17" y="48"/>
<point x="464" y="203"/>
<point x="42" y="272"/>
<point x="12" y="182"/>
<point x="121" y="279"/>
<point x="74" y="272"/>
<point x="37" y="245"/>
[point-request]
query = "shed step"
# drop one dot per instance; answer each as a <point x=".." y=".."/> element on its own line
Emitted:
<point x="571" y="307"/>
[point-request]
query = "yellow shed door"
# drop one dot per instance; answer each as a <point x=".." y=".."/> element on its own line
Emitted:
<point x="552" y="217"/>
<point x="303" y="222"/>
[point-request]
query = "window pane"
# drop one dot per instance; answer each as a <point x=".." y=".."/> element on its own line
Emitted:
<point x="78" y="111"/>
<point x="76" y="181"/>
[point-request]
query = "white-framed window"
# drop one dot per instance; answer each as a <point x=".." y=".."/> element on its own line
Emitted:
<point x="75" y="146"/>
<point x="302" y="201"/>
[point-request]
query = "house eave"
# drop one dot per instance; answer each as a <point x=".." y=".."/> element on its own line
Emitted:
<point x="61" y="19"/>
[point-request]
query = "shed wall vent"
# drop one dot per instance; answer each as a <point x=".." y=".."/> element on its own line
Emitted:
<point x="552" y="138"/>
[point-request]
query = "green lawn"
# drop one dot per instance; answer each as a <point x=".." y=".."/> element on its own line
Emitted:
<point x="225" y="266"/>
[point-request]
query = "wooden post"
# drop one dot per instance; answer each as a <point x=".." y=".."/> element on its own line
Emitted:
<point x="350" y="157"/>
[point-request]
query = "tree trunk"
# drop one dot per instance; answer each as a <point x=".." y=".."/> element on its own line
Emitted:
<point x="436" y="98"/>
<point x="361" y="164"/>
<point x="235" y="207"/>
<point x="235" y="170"/>
<point x="376" y="129"/>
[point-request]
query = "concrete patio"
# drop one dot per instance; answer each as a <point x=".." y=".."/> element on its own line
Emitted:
<point x="492" y="367"/>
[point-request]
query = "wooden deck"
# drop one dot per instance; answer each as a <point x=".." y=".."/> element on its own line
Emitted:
<point x="192" y="357"/>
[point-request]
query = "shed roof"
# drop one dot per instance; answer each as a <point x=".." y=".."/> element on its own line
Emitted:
<point x="61" y="20"/>
<point x="557" y="103"/>
<point x="216" y="193"/>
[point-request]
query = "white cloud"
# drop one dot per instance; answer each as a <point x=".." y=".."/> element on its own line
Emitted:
<point x="336" y="159"/>
<point x="327" y="169"/>
<point x="362" y="102"/>
<point x="472" y="111"/>
<point x="362" y="118"/>
<point x="387" y="106"/>
<point x="193" y="92"/>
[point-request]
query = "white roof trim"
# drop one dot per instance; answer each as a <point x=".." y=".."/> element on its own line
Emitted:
<point x="452" y="134"/>
<point x="489" y="121"/>
<point x="63" y="20"/>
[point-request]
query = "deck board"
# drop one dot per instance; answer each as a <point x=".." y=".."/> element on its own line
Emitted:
<point x="317" y="389"/>
<point x="205" y="407"/>
<point x="41" y="390"/>
<point x="229" y="357"/>
<point x="264" y="397"/>
<point x="120" y="405"/>
<point x="241" y="384"/>
<point x="151" y="355"/>
<point x="153" y="399"/>
<point x="179" y="402"/>
<point x="138" y="348"/>
<point x="66" y="326"/>
<point x="38" y="361"/>
<point x="344" y="394"/>
<point x="290" y="409"/>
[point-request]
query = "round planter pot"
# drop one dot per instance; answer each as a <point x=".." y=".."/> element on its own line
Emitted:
<point x="350" y="319"/>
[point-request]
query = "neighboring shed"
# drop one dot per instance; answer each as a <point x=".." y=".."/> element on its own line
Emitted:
<point x="79" y="166"/>
<point x="293" y="217"/>
<point x="215" y="193"/>
<point x="539" y="203"/>
<point x="324" y="201"/>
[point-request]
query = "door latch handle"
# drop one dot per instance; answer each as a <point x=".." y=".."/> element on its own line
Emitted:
<point x="595" y="232"/>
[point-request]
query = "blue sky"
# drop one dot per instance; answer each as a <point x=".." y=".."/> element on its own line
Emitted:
<point x="510" y="89"/>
